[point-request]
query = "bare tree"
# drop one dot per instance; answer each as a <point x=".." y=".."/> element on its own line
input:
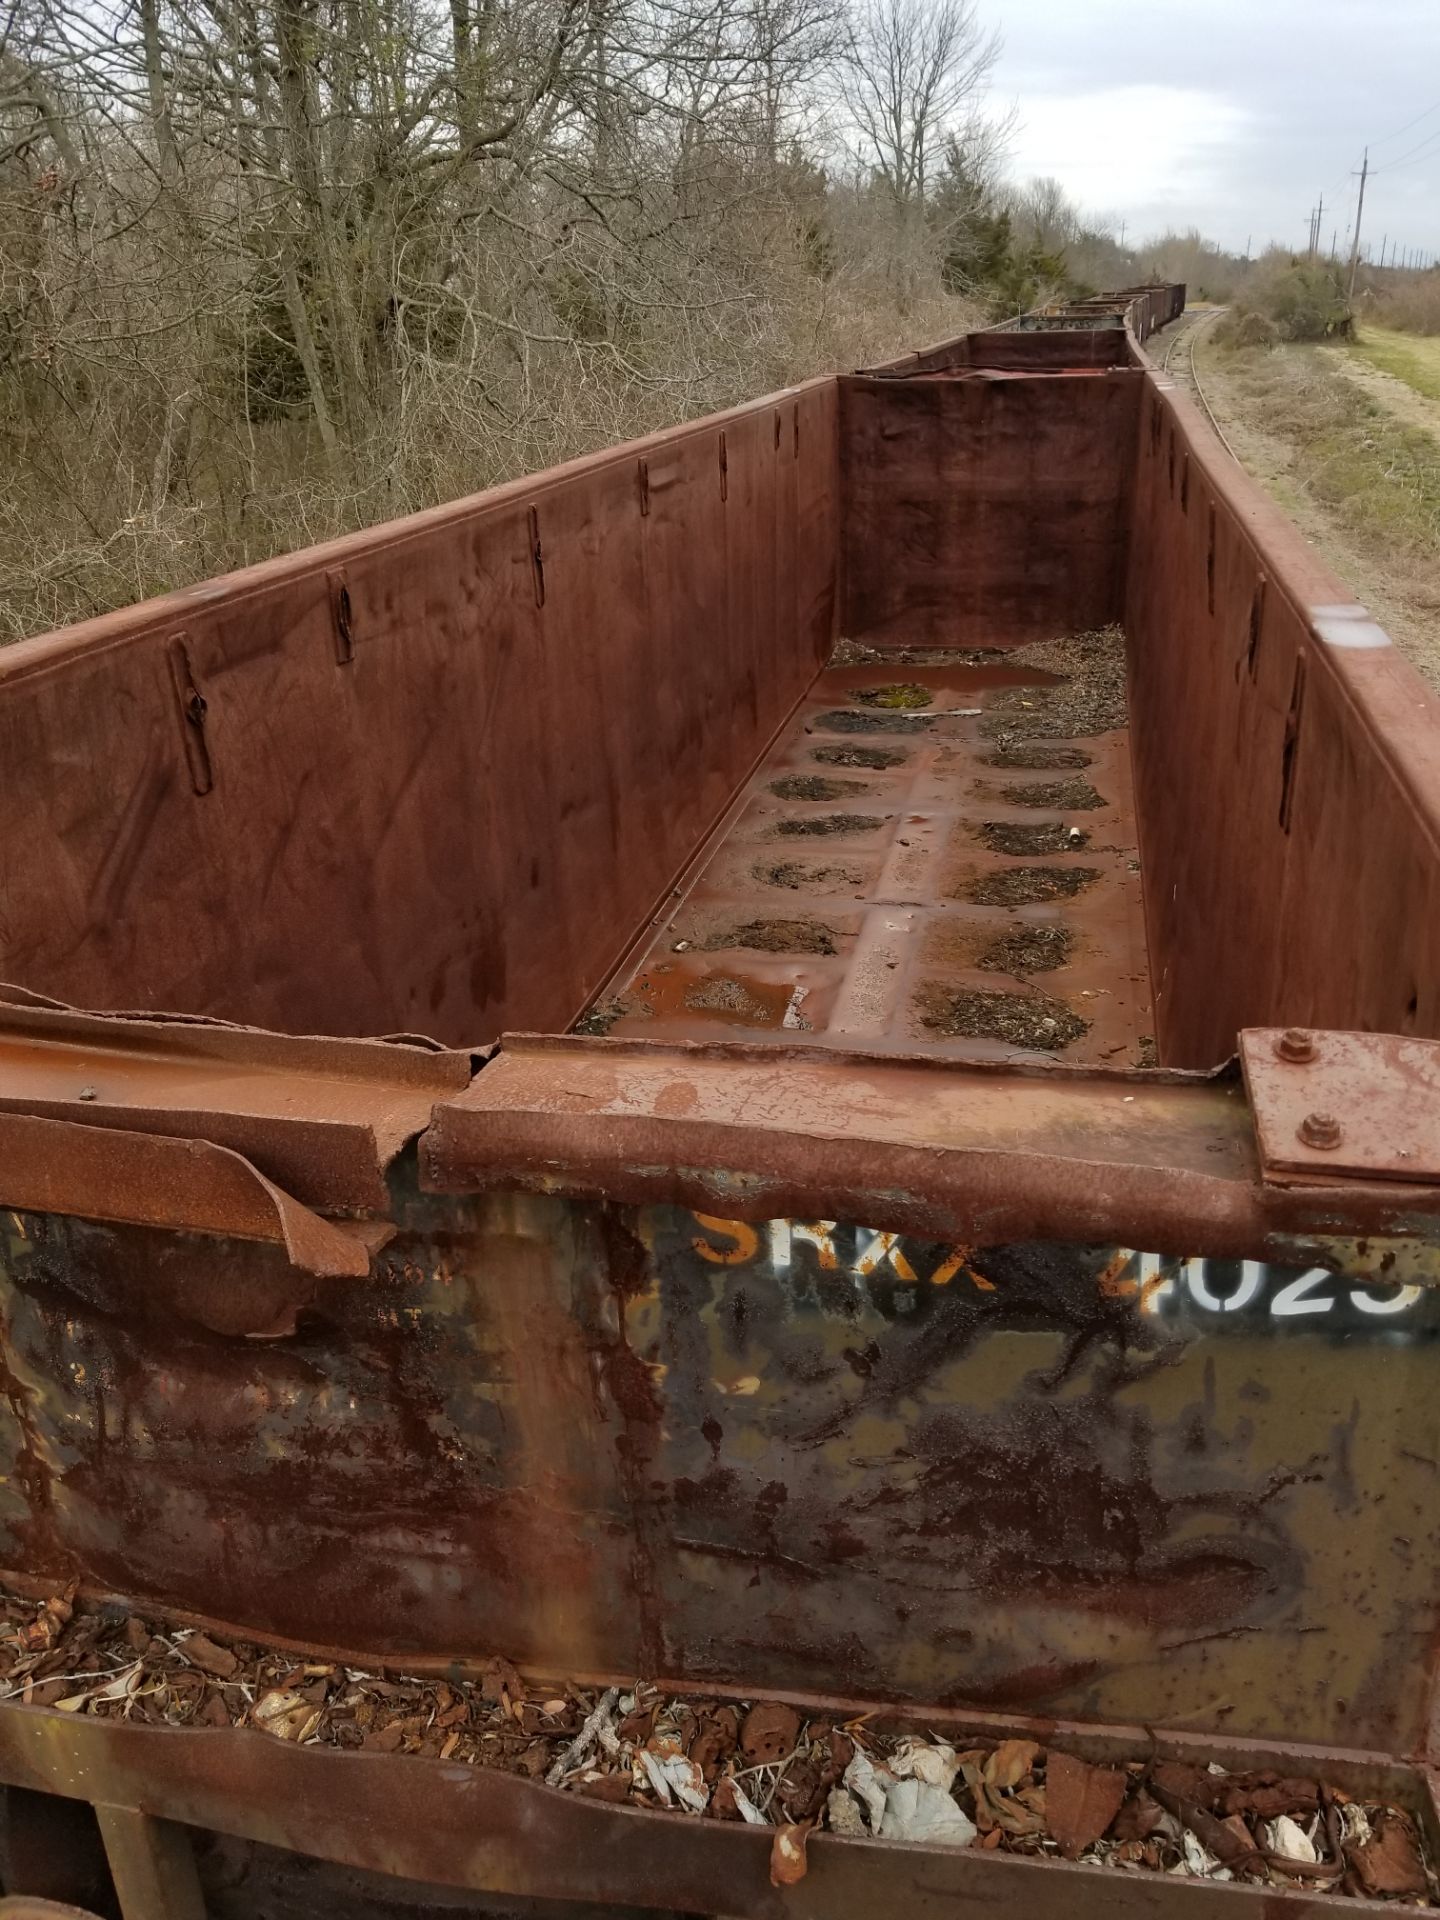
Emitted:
<point x="1045" y="215"/>
<point x="915" y="71"/>
<point x="273" y="268"/>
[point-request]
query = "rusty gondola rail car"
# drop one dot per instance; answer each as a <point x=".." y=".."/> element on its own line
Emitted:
<point x="824" y="1245"/>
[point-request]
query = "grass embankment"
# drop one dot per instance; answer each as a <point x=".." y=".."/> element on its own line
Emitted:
<point x="1376" y="475"/>
<point x="1411" y="357"/>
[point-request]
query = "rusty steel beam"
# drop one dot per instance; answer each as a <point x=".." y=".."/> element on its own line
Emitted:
<point x="979" y="1154"/>
<point x="458" y="1826"/>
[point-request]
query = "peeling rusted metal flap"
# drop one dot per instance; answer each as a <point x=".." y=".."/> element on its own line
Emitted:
<point x="103" y="1173"/>
<point x="1331" y="1107"/>
<point x="910" y="1143"/>
<point x="322" y="1118"/>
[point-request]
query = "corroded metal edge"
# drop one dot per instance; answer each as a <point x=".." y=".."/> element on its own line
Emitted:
<point x="458" y="1826"/>
<point x="935" y="1149"/>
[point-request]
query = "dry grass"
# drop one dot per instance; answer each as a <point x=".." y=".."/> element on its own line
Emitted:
<point x="84" y="527"/>
<point x="1407" y="301"/>
<point x="1363" y="483"/>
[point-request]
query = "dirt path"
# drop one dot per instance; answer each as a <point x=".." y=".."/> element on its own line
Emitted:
<point x="1285" y="415"/>
<point x="1387" y="390"/>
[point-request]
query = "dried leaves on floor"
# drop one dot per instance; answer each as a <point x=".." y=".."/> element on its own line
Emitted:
<point x="764" y="1763"/>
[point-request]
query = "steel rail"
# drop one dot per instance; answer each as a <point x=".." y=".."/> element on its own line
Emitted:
<point x="1188" y="333"/>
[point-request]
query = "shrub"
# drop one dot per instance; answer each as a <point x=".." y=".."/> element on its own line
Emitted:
<point x="1299" y="301"/>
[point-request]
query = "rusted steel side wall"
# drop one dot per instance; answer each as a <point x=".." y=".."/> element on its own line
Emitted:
<point x="1287" y="785"/>
<point x="1034" y="1478"/>
<point x="552" y="691"/>
<point x="1041" y="352"/>
<point x="984" y="513"/>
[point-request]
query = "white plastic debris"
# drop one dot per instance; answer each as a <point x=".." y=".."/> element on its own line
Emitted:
<point x="685" y="1781"/>
<point x="917" y="1811"/>
<point x="1198" y="1858"/>
<point x="655" y="1772"/>
<point x="935" y="1764"/>
<point x="1283" y="1836"/>
<point x="869" y="1783"/>
<point x="844" y="1815"/>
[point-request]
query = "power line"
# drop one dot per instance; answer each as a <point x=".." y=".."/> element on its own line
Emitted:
<point x="1430" y="141"/>
<point x="1395" y="135"/>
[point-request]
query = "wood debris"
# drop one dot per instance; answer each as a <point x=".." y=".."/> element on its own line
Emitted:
<point x="764" y="1762"/>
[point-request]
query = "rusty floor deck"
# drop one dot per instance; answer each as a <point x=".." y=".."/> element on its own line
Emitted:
<point x="920" y="876"/>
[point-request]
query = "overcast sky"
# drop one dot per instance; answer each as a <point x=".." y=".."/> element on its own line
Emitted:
<point x="1233" y="116"/>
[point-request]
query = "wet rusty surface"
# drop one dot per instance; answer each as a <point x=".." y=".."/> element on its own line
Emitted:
<point x="847" y="907"/>
<point x="1033" y="1477"/>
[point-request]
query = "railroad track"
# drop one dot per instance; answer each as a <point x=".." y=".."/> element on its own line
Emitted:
<point x="1187" y="331"/>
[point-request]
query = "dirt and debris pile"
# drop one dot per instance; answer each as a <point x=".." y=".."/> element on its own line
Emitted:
<point x="763" y="1762"/>
<point x="1022" y="886"/>
<point x="818" y="823"/>
<point x="1090" y="700"/>
<point x="1026" y="949"/>
<point x="850" y="720"/>
<point x="872" y="757"/>
<point x="1066" y="796"/>
<point x="896" y="695"/>
<point x="796" y="874"/>
<point x="1025" y="1020"/>
<point x="774" y="936"/>
<point x="1036" y="759"/>
<point x="1021" y="838"/>
<point x="814" y="786"/>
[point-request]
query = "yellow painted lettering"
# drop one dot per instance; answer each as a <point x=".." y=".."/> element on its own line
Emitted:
<point x="747" y="1241"/>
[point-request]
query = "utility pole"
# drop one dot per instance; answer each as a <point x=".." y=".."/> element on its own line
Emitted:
<point x="1359" y="209"/>
<point x="1315" y="219"/>
<point x="1383" y="238"/>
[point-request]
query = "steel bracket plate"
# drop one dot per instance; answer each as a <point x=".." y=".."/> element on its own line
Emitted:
<point x="1331" y="1107"/>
